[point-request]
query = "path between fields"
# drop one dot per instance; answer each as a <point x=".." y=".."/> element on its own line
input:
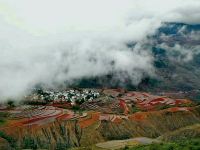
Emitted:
<point x="117" y="144"/>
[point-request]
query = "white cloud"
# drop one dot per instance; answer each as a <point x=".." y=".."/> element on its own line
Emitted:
<point x="180" y="53"/>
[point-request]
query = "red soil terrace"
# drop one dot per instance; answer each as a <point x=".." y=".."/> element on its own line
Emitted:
<point x="89" y="121"/>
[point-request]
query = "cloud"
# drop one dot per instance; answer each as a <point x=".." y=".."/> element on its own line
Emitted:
<point x="183" y="46"/>
<point x="180" y="53"/>
<point x="54" y="41"/>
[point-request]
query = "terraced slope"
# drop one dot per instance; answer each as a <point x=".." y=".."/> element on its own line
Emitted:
<point x="71" y="133"/>
<point x="50" y="127"/>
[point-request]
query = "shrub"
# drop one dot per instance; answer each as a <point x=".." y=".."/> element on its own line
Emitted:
<point x="29" y="143"/>
<point x="9" y="139"/>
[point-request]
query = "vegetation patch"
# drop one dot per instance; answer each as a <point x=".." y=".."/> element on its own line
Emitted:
<point x="3" y="117"/>
<point x="9" y="139"/>
<point x="189" y="144"/>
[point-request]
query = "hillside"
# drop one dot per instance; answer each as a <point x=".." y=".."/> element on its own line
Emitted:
<point x="116" y="114"/>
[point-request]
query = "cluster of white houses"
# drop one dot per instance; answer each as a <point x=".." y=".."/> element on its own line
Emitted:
<point x="71" y="96"/>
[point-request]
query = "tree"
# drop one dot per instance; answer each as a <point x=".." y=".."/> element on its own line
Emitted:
<point x="40" y="91"/>
<point x="11" y="103"/>
<point x="47" y="97"/>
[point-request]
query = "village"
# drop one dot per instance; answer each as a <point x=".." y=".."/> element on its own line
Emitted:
<point x="71" y="96"/>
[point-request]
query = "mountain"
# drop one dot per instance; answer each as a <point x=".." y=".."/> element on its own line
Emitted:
<point x="176" y="52"/>
<point x="176" y="72"/>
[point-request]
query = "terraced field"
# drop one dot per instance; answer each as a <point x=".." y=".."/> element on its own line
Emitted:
<point x="102" y="120"/>
<point x="37" y="115"/>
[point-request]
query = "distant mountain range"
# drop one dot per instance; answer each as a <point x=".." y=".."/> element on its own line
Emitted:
<point x="176" y="51"/>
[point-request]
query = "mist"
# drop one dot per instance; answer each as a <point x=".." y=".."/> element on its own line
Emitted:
<point x="52" y="42"/>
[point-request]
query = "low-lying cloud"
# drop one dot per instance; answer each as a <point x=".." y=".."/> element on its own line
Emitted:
<point x="51" y="42"/>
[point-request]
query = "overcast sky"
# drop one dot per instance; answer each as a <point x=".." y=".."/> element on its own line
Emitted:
<point x="51" y="41"/>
